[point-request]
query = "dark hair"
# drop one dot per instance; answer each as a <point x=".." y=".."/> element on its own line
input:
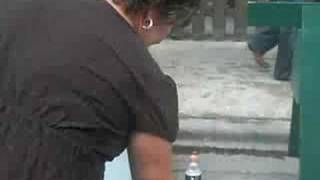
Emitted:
<point x="178" y="9"/>
<point x="138" y="4"/>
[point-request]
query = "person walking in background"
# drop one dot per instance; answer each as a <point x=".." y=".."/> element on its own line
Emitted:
<point x="266" y="39"/>
<point x="263" y="41"/>
<point x="78" y="86"/>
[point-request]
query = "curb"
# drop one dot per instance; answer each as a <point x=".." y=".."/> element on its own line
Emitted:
<point x="250" y="137"/>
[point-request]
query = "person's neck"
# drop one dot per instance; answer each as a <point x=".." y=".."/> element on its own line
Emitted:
<point x="121" y="12"/>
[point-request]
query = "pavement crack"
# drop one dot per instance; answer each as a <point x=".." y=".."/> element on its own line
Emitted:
<point x="277" y="154"/>
<point x="231" y="118"/>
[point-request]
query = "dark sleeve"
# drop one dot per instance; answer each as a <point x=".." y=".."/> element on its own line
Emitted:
<point x="157" y="108"/>
<point x="149" y="94"/>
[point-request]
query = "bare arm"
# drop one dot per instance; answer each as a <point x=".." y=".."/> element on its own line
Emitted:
<point x="150" y="158"/>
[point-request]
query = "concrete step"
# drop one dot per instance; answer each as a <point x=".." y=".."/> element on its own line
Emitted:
<point x="246" y="136"/>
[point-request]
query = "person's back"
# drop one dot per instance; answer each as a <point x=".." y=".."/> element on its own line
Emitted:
<point x="78" y="86"/>
<point x="40" y="40"/>
<point x="70" y="91"/>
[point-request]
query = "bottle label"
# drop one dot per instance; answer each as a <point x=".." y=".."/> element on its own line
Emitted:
<point x="193" y="177"/>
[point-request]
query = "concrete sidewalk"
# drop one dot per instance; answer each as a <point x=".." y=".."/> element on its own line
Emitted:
<point x="231" y="111"/>
<point x="227" y="103"/>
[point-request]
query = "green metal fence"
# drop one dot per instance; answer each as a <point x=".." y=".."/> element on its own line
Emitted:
<point x="305" y="128"/>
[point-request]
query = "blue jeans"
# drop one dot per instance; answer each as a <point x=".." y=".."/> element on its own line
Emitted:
<point x="264" y="40"/>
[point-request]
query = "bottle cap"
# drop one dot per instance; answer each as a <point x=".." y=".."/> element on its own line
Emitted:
<point x="194" y="156"/>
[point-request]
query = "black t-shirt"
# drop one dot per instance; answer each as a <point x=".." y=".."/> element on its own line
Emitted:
<point x="75" y="82"/>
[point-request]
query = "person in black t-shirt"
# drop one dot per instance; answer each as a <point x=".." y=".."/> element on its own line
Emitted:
<point x="78" y="86"/>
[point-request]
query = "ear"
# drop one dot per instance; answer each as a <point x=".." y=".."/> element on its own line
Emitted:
<point x="141" y="18"/>
<point x="151" y="16"/>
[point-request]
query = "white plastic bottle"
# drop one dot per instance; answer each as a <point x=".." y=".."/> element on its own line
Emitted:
<point x="193" y="171"/>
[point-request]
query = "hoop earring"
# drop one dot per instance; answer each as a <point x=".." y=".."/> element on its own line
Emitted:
<point x="148" y="24"/>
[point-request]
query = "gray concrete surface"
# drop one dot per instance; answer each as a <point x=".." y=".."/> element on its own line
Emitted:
<point x="255" y="137"/>
<point x="231" y="111"/>
<point x="225" y="100"/>
<point x="221" y="79"/>
<point x="240" y="167"/>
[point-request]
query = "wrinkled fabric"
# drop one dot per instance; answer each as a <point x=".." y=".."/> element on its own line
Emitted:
<point x="75" y="82"/>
